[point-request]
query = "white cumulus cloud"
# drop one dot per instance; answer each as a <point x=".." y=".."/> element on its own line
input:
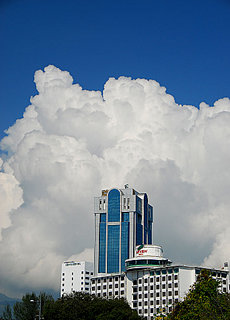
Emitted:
<point x="71" y="143"/>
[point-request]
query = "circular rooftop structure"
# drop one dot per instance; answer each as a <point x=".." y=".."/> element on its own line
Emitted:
<point x="147" y="256"/>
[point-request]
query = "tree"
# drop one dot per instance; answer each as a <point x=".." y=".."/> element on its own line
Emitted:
<point x="83" y="306"/>
<point x="203" y="301"/>
<point x="28" y="308"/>
<point x="7" y="313"/>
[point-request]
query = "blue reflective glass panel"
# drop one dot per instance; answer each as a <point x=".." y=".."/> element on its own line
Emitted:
<point x="124" y="243"/>
<point x="150" y="234"/>
<point x="138" y="204"/>
<point x="125" y="216"/>
<point x="139" y="234"/>
<point x="114" y="205"/>
<point x="102" y="247"/>
<point x="113" y="249"/>
<point x="103" y="217"/>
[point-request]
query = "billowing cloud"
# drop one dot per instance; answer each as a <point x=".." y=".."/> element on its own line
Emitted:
<point x="71" y="143"/>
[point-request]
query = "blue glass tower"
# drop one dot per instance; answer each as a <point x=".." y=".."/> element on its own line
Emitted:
<point x="123" y="220"/>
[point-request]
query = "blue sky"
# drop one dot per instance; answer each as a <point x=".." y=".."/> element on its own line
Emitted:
<point x="184" y="45"/>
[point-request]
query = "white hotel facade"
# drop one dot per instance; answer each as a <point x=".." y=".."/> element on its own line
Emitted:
<point x="76" y="276"/>
<point x="151" y="284"/>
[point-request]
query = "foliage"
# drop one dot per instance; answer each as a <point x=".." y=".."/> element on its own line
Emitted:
<point x="28" y="308"/>
<point x="203" y="302"/>
<point x="84" y="306"/>
<point x="7" y="313"/>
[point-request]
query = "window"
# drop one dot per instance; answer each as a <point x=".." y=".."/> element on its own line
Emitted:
<point x="63" y="274"/>
<point x="116" y="285"/>
<point x="135" y="297"/>
<point x="122" y="285"/>
<point x="140" y="288"/>
<point x="110" y="286"/>
<point x="63" y="279"/>
<point x="122" y="292"/>
<point x="72" y="278"/>
<point x="158" y="287"/>
<point x="62" y="290"/>
<point x="134" y="304"/>
<point x="146" y="295"/>
<point x="163" y="278"/>
<point x="128" y="203"/>
<point x="140" y="296"/>
<point x="176" y="277"/>
<point x="134" y="282"/>
<point x="176" y="285"/>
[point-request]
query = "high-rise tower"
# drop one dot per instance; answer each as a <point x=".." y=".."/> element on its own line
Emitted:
<point x="123" y="220"/>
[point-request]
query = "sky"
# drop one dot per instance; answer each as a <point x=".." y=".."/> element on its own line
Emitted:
<point x="97" y="94"/>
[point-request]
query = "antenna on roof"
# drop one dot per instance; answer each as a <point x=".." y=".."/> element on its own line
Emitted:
<point x="126" y="186"/>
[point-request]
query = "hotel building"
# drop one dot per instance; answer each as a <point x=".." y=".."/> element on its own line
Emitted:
<point x="76" y="276"/>
<point x="123" y="220"/>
